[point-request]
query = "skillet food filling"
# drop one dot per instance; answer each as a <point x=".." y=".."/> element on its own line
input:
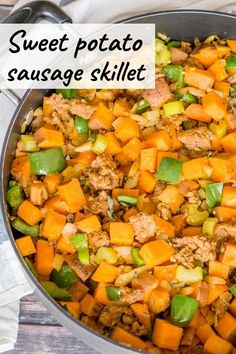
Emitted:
<point x="123" y="202"/>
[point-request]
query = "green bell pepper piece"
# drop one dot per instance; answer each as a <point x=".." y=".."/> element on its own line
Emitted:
<point x="80" y="242"/>
<point x="64" y="278"/>
<point x="189" y="98"/>
<point x="186" y="125"/>
<point x="214" y="194"/>
<point x="47" y="162"/>
<point x="31" y="266"/>
<point x="14" y="196"/>
<point x="140" y="106"/>
<point x="81" y="125"/>
<point x="113" y="293"/>
<point x="233" y="289"/>
<point x="174" y="73"/>
<point x="175" y="44"/>
<point x="136" y="257"/>
<point x="92" y="136"/>
<point x="21" y="226"/>
<point x="12" y="184"/>
<point x="54" y="291"/>
<point x="127" y="199"/>
<point x="231" y="62"/>
<point x="169" y="170"/>
<point x="69" y="93"/>
<point x="183" y="308"/>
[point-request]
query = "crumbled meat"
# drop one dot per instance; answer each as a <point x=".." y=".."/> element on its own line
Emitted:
<point x="132" y="296"/>
<point x="80" y="109"/>
<point x="37" y="123"/>
<point x="159" y="188"/>
<point x="111" y="314"/>
<point x="88" y="321"/>
<point x="177" y="55"/>
<point x="231" y="118"/>
<point x="158" y="96"/>
<point x="83" y="271"/>
<point x="188" y="336"/>
<point x="187" y="186"/>
<point x="197" y="139"/>
<point x="144" y="227"/>
<point x="98" y="204"/>
<point x="122" y="316"/>
<point x="105" y="175"/>
<point x="208" y="314"/>
<point x="225" y="231"/>
<point x="221" y="305"/>
<point x="78" y="290"/>
<point x="98" y="239"/>
<point x="193" y="251"/>
<point x="163" y="210"/>
<point x="196" y="349"/>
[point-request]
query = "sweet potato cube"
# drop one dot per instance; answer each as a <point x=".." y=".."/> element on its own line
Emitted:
<point x="166" y="335"/>
<point x="121" y="233"/>
<point x="105" y="273"/>
<point x="25" y="246"/>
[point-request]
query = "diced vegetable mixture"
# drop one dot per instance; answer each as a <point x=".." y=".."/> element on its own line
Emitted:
<point x="123" y="202"/>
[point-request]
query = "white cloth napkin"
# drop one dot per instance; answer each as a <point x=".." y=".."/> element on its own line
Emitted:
<point x="13" y="284"/>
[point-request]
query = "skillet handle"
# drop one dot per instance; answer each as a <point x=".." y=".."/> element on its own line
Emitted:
<point x="36" y="10"/>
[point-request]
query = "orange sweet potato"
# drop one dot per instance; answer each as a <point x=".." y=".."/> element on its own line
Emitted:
<point x="52" y="182"/>
<point x="164" y="227"/>
<point x="25" y="246"/>
<point x="166" y="335"/>
<point x="160" y="140"/>
<point x="195" y="111"/>
<point x="73" y="195"/>
<point x="148" y="159"/>
<point x="113" y="145"/>
<point x="53" y="225"/>
<point x="122" y="336"/>
<point x="229" y="142"/>
<point x="121" y="233"/>
<point x="132" y="149"/>
<point x="100" y="294"/>
<point x="126" y="128"/>
<point x="102" y="118"/>
<point x="218" y="69"/>
<point x="217" y="345"/>
<point x="214" y="106"/>
<point x="48" y="138"/>
<point x="225" y="214"/>
<point x="89" y="224"/>
<point x="147" y="181"/>
<point x="156" y="252"/>
<point x="197" y="169"/>
<point x="20" y="169"/>
<point x="199" y="78"/>
<point x="29" y="213"/>
<point x="229" y="197"/>
<point x="204" y="332"/>
<point x="207" y="55"/>
<point x="226" y="328"/>
<point x="44" y="257"/>
<point x="105" y="273"/>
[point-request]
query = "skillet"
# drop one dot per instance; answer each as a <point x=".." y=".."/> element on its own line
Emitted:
<point x="178" y="24"/>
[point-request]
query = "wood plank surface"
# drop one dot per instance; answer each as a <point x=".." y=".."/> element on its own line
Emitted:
<point x="40" y="333"/>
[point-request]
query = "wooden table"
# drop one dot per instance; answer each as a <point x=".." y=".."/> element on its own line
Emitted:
<point x="40" y="333"/>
